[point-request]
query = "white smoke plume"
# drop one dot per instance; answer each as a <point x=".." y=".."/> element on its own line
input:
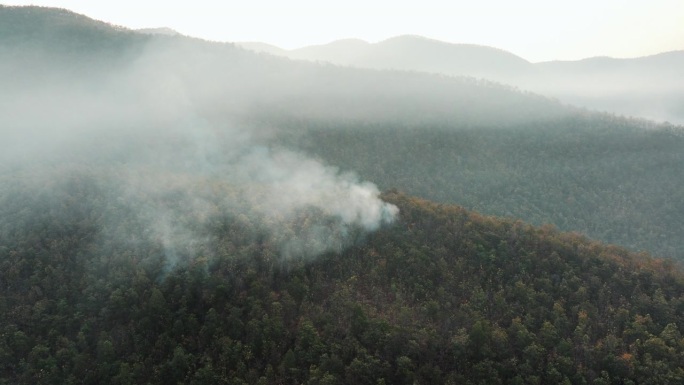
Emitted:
<point x="149" y="130"/>
<point x="304" y="207"/>
<point x="287" y="184"/>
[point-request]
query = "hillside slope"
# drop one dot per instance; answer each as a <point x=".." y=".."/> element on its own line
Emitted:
<point x="443" y="295"/>
<point x="612" y="179"/>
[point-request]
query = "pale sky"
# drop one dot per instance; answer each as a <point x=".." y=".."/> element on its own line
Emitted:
<point x="536" y="30"/>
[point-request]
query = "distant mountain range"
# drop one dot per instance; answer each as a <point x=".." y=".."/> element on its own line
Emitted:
<point x="649" y="87"/>
<point x="411" y="53"/>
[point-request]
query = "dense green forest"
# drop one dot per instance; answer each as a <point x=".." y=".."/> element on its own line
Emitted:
<point x="441" y="296"/>
<point x="614" y="179"/>
<point x="179" y="211"/>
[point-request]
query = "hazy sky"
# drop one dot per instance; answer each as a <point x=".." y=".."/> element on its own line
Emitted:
<point x="534" y="29"/>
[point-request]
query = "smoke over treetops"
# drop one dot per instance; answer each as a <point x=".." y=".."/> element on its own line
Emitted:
<point x="299" y="205"/>
<point x="168" y="175"/>
<point x="179" y="186"/>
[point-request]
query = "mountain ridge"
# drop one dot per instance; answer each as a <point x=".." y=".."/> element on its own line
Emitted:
<point x="407" y="37"/>
<point x="644" y="86"/>
<point x="393" y="53"/>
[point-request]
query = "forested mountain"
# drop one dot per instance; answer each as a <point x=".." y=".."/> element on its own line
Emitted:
<point x="454" y="140"/>
<point x="179" y="211"/>
<point x="613" y="179"/>
<point x="443" y="295"/>
<point x="647" y="87"/>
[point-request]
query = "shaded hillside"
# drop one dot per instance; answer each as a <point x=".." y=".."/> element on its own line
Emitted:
<point x="441" y="296"/>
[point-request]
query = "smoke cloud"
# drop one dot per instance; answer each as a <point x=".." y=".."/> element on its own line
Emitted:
<point x="299" y="205"/>
<point x="172" y="171"/>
